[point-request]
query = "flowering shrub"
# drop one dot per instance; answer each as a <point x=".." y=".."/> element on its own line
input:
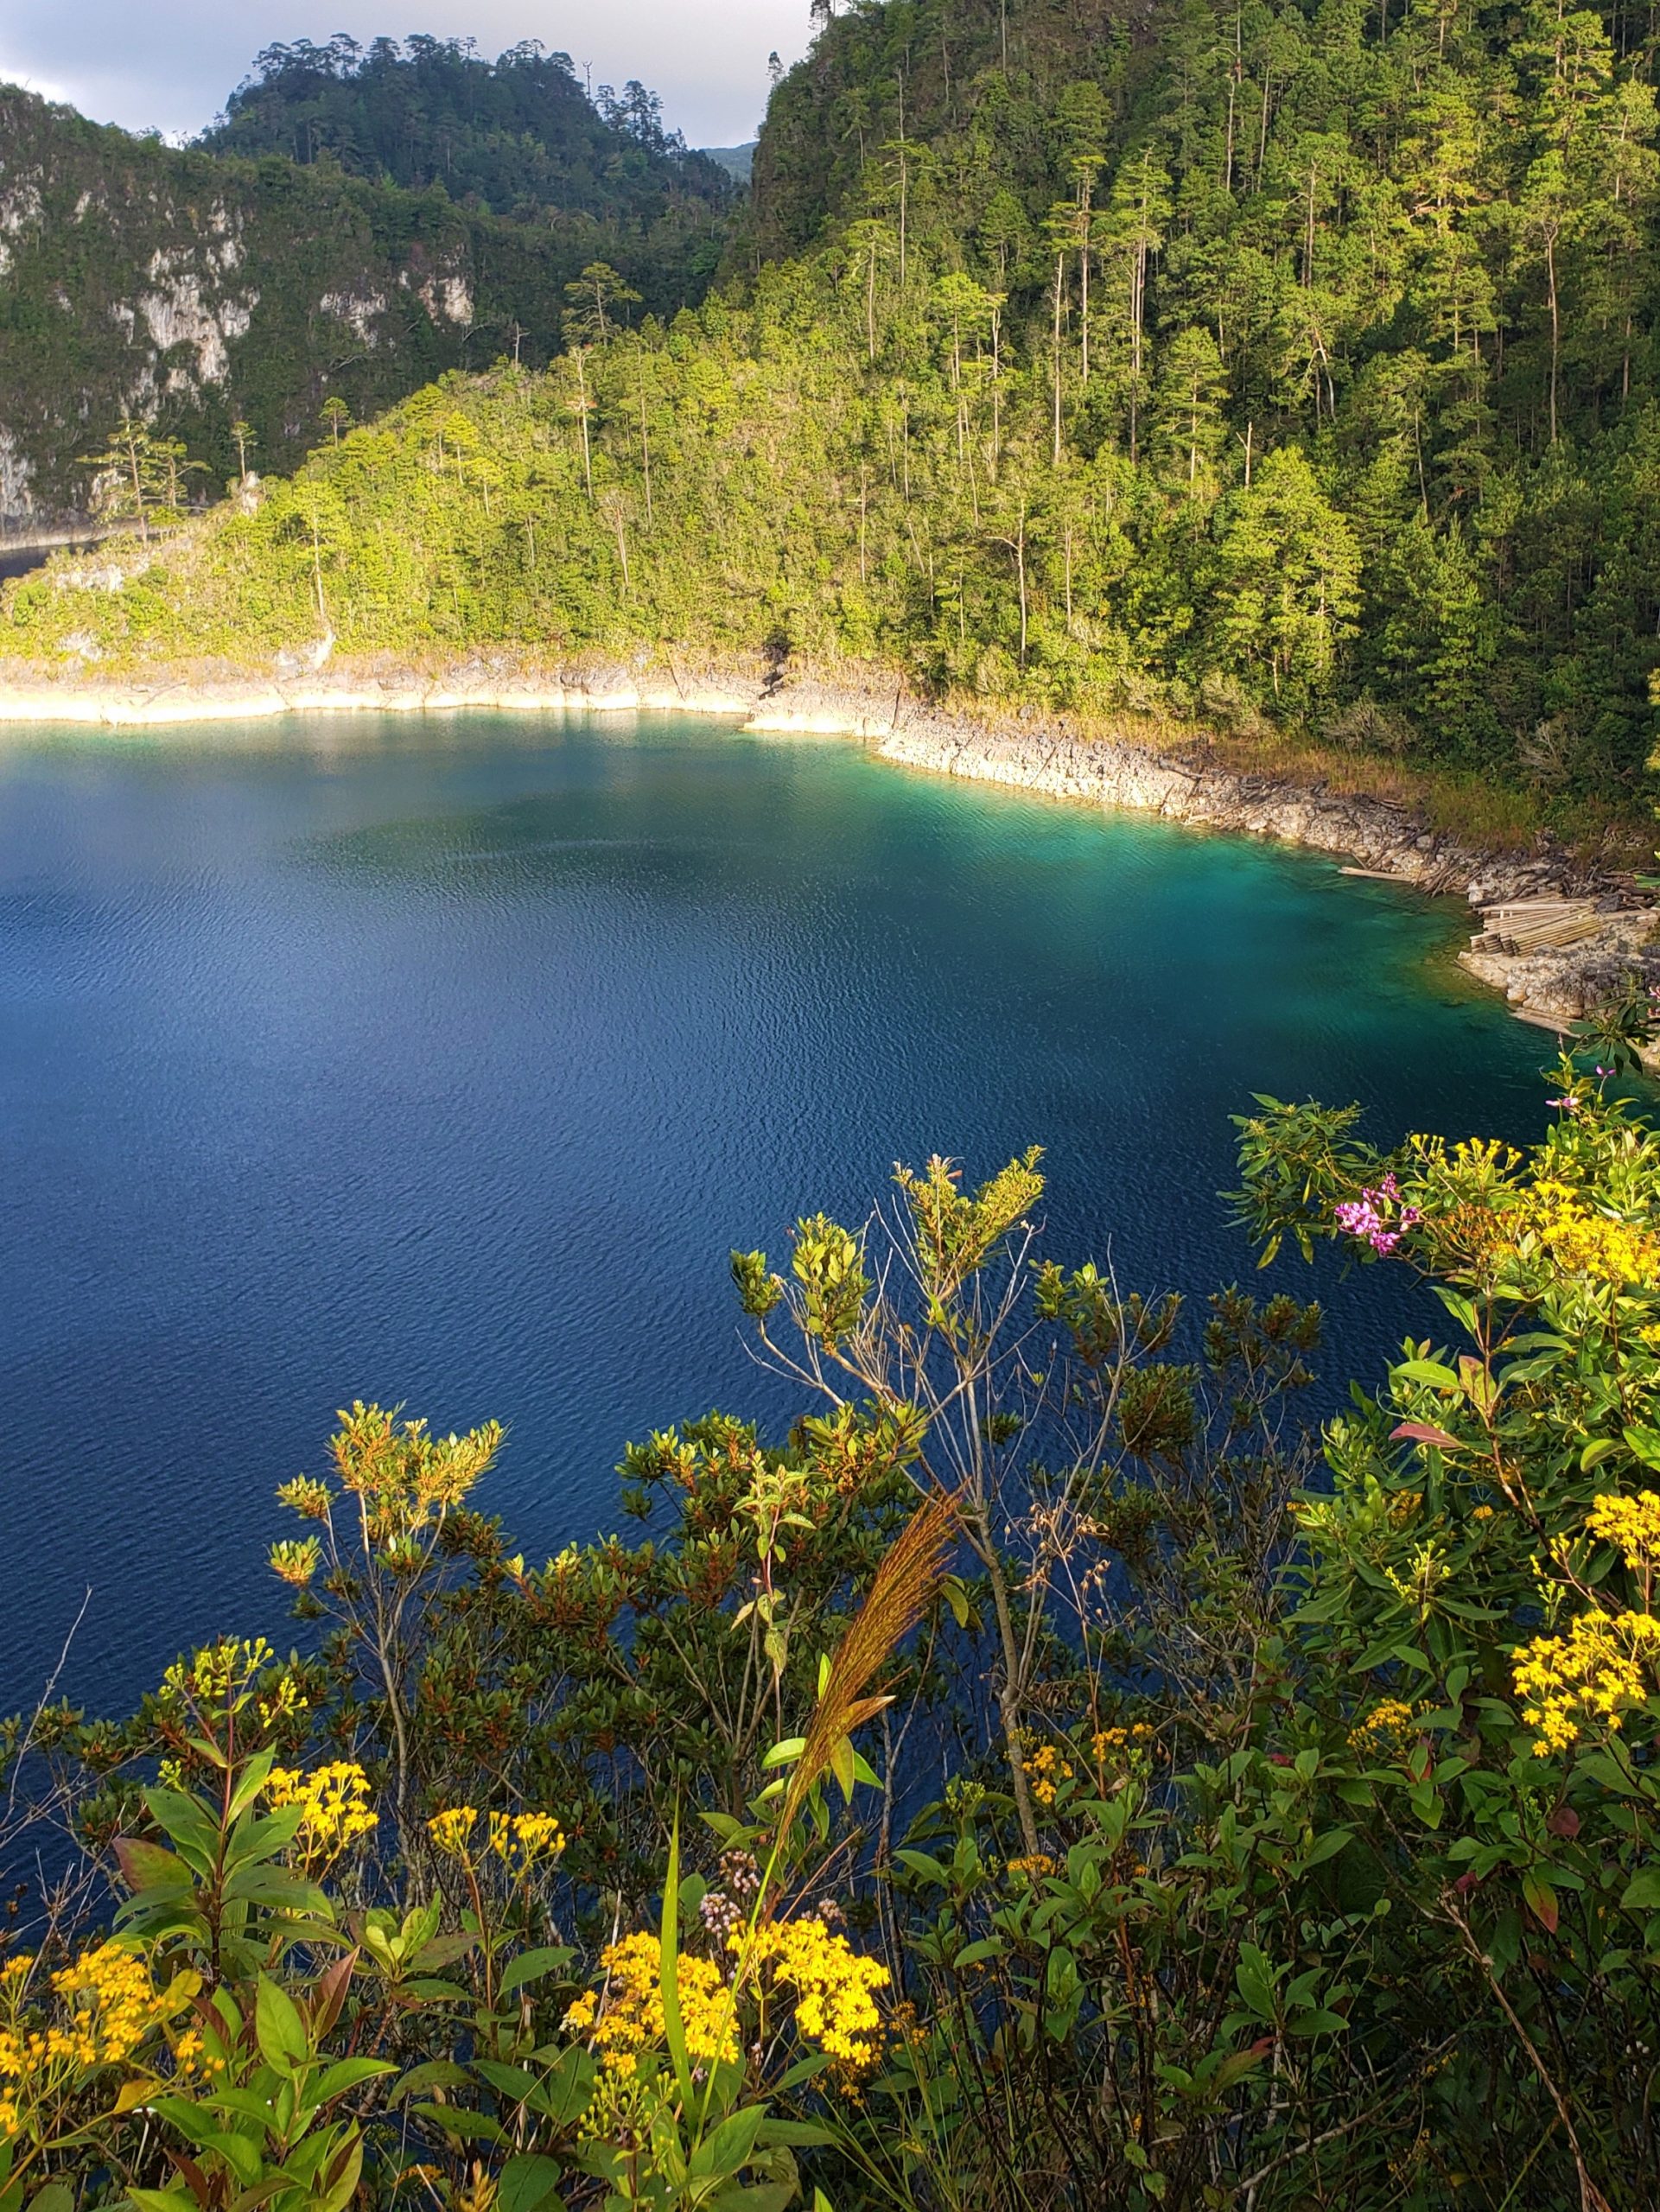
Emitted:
<point x="632" y="2018"/>
<point x="335" y="1810"/>
<point x="1293" y="1840"/>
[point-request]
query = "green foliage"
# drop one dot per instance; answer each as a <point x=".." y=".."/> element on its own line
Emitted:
<point x="200" y="290"/>
<point x="1289" y="368"/>
<point x="516" y="135"/>
<point x="1294" y="1839"/>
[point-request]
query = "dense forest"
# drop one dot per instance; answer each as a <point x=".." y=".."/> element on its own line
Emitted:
<point x="1273" y="363"/>
<point x="515" y="136"/>
<point x="192" y="288"/>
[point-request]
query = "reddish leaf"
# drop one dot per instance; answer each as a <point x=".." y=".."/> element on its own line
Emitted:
<point x="1564" y="1821"/>
<point x="143" y="1863"/>
<point x="1541" y="1901"/>
<point x="1424" y="1432"/>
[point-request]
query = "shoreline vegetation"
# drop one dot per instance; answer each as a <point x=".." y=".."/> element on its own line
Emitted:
<point x="896" y="1819"/>
<point x="1561" y="928"/>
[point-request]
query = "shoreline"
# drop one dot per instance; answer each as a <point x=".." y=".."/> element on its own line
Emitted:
<point x="1552" y="939"/>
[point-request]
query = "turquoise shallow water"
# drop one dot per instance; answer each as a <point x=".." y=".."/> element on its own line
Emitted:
<point x="444" y="1061"/>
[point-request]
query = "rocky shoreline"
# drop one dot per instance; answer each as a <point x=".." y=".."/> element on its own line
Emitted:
<point x="1554" y="940"/>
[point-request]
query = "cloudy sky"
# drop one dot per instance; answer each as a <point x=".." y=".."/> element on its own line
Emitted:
<point x="169" y="63"/>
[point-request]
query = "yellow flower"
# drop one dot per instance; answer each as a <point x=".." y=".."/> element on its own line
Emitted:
<point x="1632" y="1525"/>
<point x="1594" y="1672"/>
<point x="334" y="1807"/>
<point x="1121" y="1746"/>
<point x="98" y="2011"/>
<point x="522" y="1840"/>
<point x="1046" y="1771"/>
<point x="583" y="2013"/>
<point x="834" y="1986"/>
<point x="452" y="1831"/>
<point x="632" y="2019"/>
<point x="1385" y="1732"/>
<point x="1558" y="1222"/>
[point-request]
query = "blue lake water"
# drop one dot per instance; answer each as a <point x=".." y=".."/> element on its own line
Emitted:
<point x="444" y="1061"/>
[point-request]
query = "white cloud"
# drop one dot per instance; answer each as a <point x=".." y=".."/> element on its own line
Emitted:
<point x="49" y="88"/>
<point x="168" y="65"/>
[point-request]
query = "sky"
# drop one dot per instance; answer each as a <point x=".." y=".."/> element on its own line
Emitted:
<point x="169" y="64"/>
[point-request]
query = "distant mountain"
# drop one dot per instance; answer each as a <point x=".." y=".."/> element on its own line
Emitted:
<point x="736" y="160"/>
<point x="514" y="135"/>
<point x="438" y="209"/>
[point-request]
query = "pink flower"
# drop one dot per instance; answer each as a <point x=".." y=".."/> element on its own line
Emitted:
<point x="1366" y="1218"/>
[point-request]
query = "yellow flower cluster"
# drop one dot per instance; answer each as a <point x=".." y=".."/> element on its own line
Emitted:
<point x="335" y="1809"/>
<point x="1632" y="1525"/>
<point x="521" y="1840"/>
<point x="1594" y="1673"/>
<point x="835" y="1987"/>
<point x="1555" y="1219"/>
<point x="226" y="1675"/>
<point x="632" y="2018"/>
<point x="106" y="2006"/>
<point x="452" y="1831"/>
<point x="1113" y="1747"/>
<point x="1045" y="1771"/>
<point x="832" y="1987"/>
<point x="1036" y="1867"/>
<point x="1385" y="1732"/>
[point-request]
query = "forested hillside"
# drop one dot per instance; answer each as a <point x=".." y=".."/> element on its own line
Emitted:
<point x="192" y="289"/>
<point x="515" y="136"/>
<point x="1243" y="361"/>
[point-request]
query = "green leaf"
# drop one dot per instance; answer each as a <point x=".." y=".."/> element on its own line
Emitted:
<point x="1327" y="1846"/>
<point x="517" y="2082"/>
<point x="150" y="1866"/>
<point x="732" y="2143"/>
<point x="674" y="2030"/>
<point x="1642" y="1891"/>
<point x="344" y="2186"/>
<point x="283" y="2043"/>
<point x="1316" y="2023"/>
<point x="346" y="2074"/>
<point x="456" y="2119"/>
<point x="434" y="2074"/>
<point x="530" y="1965"/>
<point x="254" y="1777"/>
<point x="799" y="2134"/>
<point x="1425" y="1370"/>
<point x="1540" y="1899"/>
<point x="527" y="2184"/>
<point x="563" y="2093"/>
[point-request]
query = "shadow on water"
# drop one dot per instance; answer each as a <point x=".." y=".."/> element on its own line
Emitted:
<point x="444" y="1063"/>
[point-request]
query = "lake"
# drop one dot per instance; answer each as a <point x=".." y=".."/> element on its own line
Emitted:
<point x="442" y="1061"/>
